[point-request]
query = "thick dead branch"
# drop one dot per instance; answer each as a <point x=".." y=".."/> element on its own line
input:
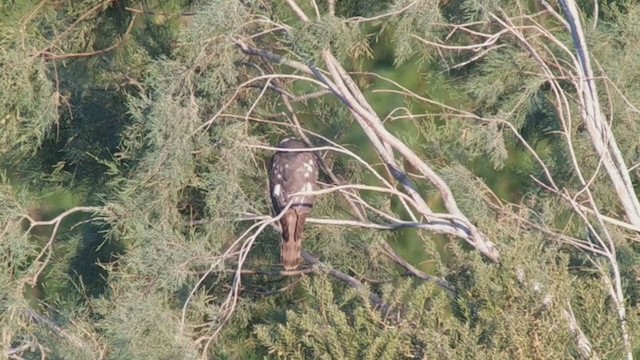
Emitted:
<point x="606" y="146"/>
<point x="383" y="141"/>
<point x="344" y="87"/>
<point x="596" y="124"/>
<point x="357" y="211"/>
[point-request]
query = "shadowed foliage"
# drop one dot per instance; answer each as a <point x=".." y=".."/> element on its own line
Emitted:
<point x="135" y="220"/>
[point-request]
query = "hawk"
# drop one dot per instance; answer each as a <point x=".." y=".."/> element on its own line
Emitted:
<point x="292" y="172"/>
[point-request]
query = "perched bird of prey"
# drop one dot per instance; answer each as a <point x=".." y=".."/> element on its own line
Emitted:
<point x="292" y="172"/>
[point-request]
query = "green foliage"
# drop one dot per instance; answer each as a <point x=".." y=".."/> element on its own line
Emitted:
<point x="149" y="111"/>
<point x="419" y="23"/>
<point x="336" y="323"/>
<point x="28" y="104"/>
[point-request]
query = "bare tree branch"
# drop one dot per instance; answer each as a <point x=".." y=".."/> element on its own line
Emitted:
<point x="48" y="248"/>
<point x="597" y="126"/>
<point x="351" y="281"/>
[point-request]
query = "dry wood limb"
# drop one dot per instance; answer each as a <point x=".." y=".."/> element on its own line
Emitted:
<point x="357" y="211"/>
<point x="48" y="248"/>
<point x="460" y="228"/>
<point x="399" y="224"/>
<point x="319" y="266"/>
<point x="605" y="145"/>
<point x="597" y="127"/>
<point x="343" y="91"/>
<point x="371" y="123"/>
<point x="604" y="142"/>
<point x="382" y="150"/>
<point x="388" y="252"/>
<point x="384" y="143"/>
<point x="228" y="307"/>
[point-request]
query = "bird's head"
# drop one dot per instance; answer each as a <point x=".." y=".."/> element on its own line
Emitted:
<point x="292" y="143"/>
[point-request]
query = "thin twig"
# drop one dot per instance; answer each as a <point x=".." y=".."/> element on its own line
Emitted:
<point x="351" y="281"/>
<point x="260" y="272"/>
<point x="388" y="251"/>
<point x="51" y="56"/>
<point x="48" y="248"/>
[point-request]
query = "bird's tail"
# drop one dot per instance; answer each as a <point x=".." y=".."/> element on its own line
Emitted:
<point x="292" y="226"/>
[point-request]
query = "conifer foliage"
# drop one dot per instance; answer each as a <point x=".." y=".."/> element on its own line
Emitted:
<point x="478" y="194"/>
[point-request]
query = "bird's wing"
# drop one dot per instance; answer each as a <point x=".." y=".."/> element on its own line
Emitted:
<point x="277" y="191"/>
<point x="301" y="175"/>
<point x="289" y="173"/>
